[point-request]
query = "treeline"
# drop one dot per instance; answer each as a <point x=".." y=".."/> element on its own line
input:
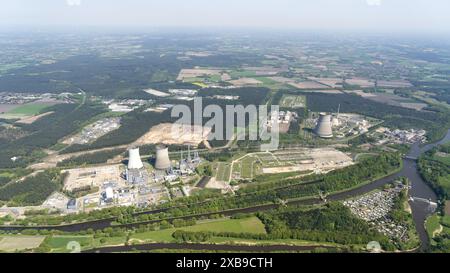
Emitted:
<point x="441" y="242"/>
<point x="33" y="190"/>
<point x="10" y="175"/>
<point x="332" y="223"/>
<point x="91" y="158"/>
<point x="223" y="156"/>
<point x="435" y="123"/>
<point x="46" y="132"/>
<point x="436" y="172"/>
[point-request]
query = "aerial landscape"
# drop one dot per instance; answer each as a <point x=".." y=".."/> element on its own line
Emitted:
<point x="299" y="141"/>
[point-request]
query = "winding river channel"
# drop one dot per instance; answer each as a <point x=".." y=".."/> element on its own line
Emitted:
<point x="419" y="189"/>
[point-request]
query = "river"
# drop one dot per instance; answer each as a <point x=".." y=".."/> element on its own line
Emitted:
<point x="419" y="188"/>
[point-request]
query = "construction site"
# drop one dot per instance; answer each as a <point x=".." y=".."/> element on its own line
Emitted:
<point x="171" y="134"/>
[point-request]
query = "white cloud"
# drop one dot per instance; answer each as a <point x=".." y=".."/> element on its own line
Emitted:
<point x="373" y="2"/>
<point x="73" y="3"/>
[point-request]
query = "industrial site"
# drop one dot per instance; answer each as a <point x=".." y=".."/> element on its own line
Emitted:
<point x="131" y="136"/>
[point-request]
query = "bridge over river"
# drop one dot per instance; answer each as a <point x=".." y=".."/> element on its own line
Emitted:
<point x="420" y="205"/>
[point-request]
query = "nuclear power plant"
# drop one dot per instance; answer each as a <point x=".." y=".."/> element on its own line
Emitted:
<point x="134" y="159"/>
<point x="324" y="127"/>
<point x="135" y="173"/>
<point x="162" y="161"/>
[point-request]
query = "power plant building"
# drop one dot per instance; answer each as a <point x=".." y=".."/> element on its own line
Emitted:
<point x="324" y="127"/>
<point x="162" y="161"/>
<point x="135" y="173"/>
<point x="134" y="160"/>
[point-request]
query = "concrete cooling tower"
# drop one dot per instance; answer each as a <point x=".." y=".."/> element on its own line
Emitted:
<point x="162" y="157"/>
<point x="323" y="128"/>
<point x="134" y="160"/>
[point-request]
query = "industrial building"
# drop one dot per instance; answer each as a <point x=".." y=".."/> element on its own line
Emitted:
<point x="135" y="173"/>
<point x="134" y="159"/>
<point x="162" y="161"/>
<point x="324" y="127"/>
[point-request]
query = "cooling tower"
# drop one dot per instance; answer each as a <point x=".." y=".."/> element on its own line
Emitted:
<point x="162" y="157"/>
<point x="134" y="160"/>
<point x="323" y="128"/>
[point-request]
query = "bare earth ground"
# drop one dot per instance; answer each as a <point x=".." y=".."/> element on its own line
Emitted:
<point x="155" y="92"/>
<point x="14" y="243"/>
<point x="82" y="177"/>
<point x="265" y="70"/>
<point x="362" y="82"/>
<point x="331" y="82"/>
<point x="323" y="160"/>
<point x="170" y="134"/>
<point x="245" y="81"/>
<point x="308" y="85"/>
<point x="30" y="120"/>
<point x="197" y="72"/>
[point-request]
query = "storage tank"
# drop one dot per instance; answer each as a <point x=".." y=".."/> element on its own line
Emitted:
<point x="324" y="128"/>
<point x="134" y="159"/>
<point x="162" y="161"/>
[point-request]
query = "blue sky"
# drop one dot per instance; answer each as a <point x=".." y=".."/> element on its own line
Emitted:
<point x="367" y="15"/>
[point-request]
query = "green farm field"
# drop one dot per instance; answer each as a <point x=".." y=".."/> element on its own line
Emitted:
<point x="248" y="225"/>
<point x="29" y="109"/>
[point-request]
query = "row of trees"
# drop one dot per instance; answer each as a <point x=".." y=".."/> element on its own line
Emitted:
<point x="91" y="158"/>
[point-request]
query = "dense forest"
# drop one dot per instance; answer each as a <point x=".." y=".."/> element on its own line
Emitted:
<point x="91" y="158"/>
<point x="435" y="170"/>
<point x="33" y="190"/>
<point x="99" y="75"/>
<point x="333" y="223"/>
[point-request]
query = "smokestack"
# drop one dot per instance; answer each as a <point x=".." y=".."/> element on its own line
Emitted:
<point x="323" y="128"/>
<point x="134" y="160"/>
<point x="162" y="157"/>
